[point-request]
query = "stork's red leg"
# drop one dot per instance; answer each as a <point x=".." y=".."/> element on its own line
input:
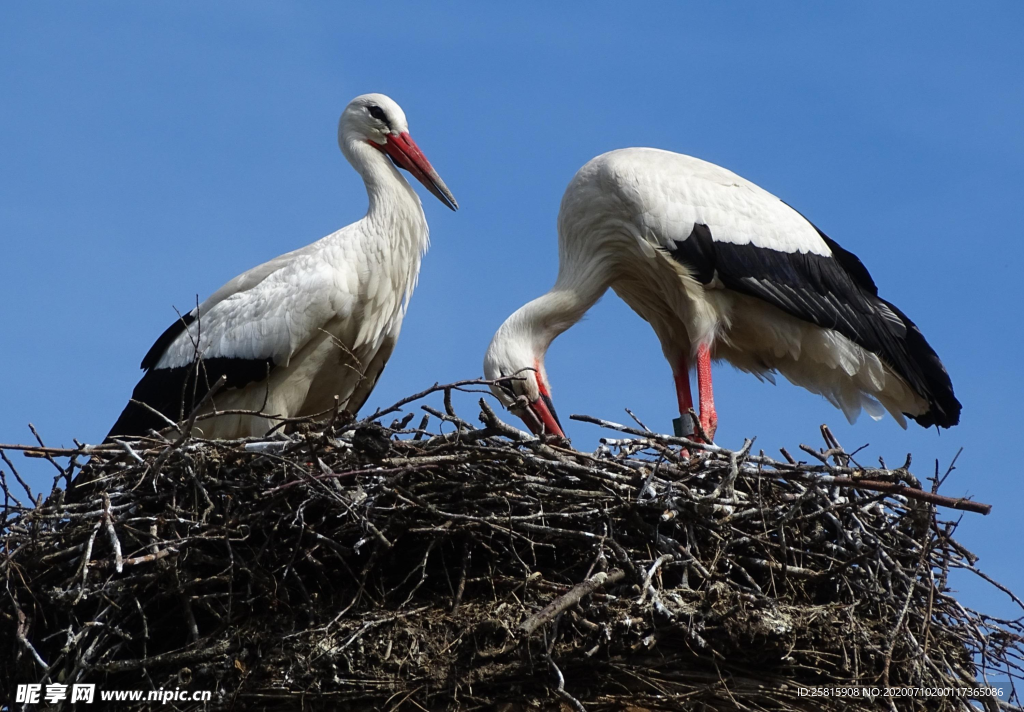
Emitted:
<point x="683" y="394"/>
<point x="683" y="426"/>
<point x="708" y="416"/>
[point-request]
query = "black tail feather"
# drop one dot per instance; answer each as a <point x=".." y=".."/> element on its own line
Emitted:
<point x="175" y="392"/>
<point x="924" y="371"/>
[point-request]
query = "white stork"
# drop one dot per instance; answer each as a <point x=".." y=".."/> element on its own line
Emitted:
<point x="319" y="322"/>
<point x="721" y="269"/>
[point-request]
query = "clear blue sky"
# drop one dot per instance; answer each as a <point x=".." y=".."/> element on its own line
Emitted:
<point x="151" y="151"/>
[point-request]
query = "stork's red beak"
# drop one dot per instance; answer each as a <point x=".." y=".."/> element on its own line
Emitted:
<point x="545" y="420"/>
<point x="404" y="151"/>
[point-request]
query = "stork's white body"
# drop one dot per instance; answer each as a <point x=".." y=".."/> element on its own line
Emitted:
<point x="328" y="314"/>
<point x="311" y="328"/>
<point x="712" y="261"/>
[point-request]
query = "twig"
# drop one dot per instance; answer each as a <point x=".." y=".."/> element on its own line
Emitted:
<point x="560" y="690"/>
<point x="570" y="599"/>
<point x="457" y="385"/>
<point x="650" y="574"/>
<point x="108" y="520"/>
<point x="966" y="505"/>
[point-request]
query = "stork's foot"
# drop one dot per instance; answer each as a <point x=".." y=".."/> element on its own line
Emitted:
<point x="709" y="424"/>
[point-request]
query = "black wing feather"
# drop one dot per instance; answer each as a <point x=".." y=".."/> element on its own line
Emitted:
<point x="175" y="392"/>
<point x="834" y="292"/>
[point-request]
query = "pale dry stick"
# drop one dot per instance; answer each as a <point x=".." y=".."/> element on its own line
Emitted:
<point x="108" y="519"/>
<point x="148" y="558"/>
<point x="784" y="569"/>
<point x="489" y="418"/>
<point x="197" y="358"/>
<point x="131" y="453"/>
<point x="650" y="574"/>
<point x="570" y="599"/>
<point x="157" y="413"/>
<point x="36" y="451"/>
<point x="726" y="485"/>
<point x="23" y="639"/>
<point x="85" y="559"/>
<point x="638" y="421"/>
<point x="379" y="535"/>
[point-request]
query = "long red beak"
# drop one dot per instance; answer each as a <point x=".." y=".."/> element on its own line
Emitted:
<point x="544" y="410"/>
<point x="404" y="151"/>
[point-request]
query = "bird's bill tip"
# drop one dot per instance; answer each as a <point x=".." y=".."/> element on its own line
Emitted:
<point x="404" y="151"/>
<point x="544" y="421"/>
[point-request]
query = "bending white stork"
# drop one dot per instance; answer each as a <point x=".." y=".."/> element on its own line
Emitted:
<point x="721" y="269"/>
<point x="319" y="322"/>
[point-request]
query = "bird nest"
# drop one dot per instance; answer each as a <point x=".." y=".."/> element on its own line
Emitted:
<point x="357" y="566"/>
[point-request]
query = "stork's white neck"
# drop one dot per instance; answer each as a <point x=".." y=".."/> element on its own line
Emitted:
<point x="392" y="199"/>
<point x="539" y="322"/>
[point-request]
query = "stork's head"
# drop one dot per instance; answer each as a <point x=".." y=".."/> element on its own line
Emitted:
<point x="377" y="120"/>
<point x="516" y="356"/>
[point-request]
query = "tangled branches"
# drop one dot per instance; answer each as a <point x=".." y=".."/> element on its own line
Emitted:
<point x="356" y="566"/>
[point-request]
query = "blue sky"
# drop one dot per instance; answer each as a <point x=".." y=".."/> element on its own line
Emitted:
<point x="151" y="151"/>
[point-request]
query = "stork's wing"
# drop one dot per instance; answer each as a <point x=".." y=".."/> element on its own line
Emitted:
<point x="251" y="325"/>
<point x="724" y="228"/>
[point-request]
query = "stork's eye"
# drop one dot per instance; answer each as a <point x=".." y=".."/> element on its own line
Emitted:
<point x="377" y="113"/>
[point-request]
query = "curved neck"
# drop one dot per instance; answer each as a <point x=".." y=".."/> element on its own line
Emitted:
<point x="547" y="316"/>
<point x="389" y="193"/>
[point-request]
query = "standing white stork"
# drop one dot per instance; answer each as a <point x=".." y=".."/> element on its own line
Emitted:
<point x="721" y="269"/>
<point x="319" y="322"/>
